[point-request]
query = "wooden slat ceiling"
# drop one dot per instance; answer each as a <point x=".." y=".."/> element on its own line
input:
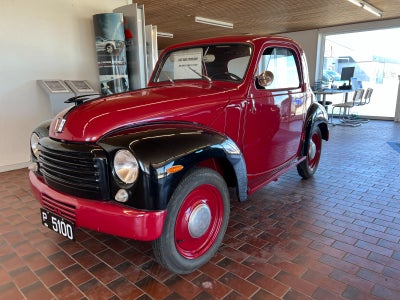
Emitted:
<point x="256" y="16"/>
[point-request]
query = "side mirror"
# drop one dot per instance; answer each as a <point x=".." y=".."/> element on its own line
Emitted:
<point x="265" y="78"/>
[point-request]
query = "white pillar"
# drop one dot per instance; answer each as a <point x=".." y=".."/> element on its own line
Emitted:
<point x="397" y="110"/>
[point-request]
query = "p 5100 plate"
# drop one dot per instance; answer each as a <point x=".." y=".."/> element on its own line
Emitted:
<point x="58" y="224"/>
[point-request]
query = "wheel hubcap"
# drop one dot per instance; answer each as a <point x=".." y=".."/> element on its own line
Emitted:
<point x="312" y="150"/>
<point x="199" y="220"/>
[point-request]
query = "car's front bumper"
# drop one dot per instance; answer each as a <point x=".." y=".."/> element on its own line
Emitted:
<point x="103" y="216"/>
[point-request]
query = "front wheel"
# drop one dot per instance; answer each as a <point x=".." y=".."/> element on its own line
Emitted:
<point x="197" y="218"/>
<point x="308" y="167"/>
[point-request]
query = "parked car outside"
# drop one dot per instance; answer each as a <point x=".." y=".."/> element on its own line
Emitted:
<point x="330" y="77"/>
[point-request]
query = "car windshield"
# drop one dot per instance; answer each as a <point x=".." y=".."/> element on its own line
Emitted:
<point x="226" y="62"/>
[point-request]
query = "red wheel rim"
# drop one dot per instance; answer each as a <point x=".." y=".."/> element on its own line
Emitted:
<point x="314" y="151"/>
<point x="205" y="198"/>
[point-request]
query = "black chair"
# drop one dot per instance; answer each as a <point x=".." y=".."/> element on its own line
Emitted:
<point x="318" y="87"/>
<point x="327" y="103"/>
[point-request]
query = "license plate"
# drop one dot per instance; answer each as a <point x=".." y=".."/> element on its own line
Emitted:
<point x="58" y="224"/>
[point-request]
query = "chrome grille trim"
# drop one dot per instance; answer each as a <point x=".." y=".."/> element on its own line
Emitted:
<point x="75" y="169"/>
<point x="62" y="209"/>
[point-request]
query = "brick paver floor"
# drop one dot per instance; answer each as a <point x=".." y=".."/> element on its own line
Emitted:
<point x="335" y="236"/>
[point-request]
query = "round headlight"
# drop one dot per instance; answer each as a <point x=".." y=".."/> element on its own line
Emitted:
<point x="35" y="144"/>
<point x="126" y="166"/>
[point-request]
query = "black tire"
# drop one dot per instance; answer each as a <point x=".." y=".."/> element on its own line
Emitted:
<point x="309" y="166"/>
<point x="197" y="218"/>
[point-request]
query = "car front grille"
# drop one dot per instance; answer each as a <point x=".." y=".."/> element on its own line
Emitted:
<point x="62" y="209"/>
<point x="75" y="169"/>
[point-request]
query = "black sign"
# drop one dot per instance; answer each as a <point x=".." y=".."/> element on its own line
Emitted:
<point x="58" y="224"/>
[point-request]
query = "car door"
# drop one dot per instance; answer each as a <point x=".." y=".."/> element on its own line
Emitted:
<point x="274" y="115"/>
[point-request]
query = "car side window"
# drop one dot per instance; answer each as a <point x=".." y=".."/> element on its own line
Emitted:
<point x="282" y="63"/>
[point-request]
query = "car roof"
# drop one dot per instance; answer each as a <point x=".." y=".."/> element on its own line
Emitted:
<point x="251" y="39"/>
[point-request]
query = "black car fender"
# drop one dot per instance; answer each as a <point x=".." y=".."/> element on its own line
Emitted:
<point x="158" y="148"/>
<point x="316" y="116"/>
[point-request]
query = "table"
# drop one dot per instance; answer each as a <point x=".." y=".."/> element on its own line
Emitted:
<point x="349" y="122"/>
<point x="332" y="92"/>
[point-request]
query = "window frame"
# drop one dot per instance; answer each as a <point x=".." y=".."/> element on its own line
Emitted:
<point x="293" y="54"/>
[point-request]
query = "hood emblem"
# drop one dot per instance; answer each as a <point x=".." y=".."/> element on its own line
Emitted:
<point x="59" y="126"/>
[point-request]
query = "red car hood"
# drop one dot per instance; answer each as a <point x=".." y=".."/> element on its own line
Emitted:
<point x="200" y="103"/>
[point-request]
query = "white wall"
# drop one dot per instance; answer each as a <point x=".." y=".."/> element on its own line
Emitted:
<point x="308" y="40"/>
<point x="41" y="39"/>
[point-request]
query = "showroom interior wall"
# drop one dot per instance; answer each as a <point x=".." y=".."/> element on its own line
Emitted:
<point x="308" y="40"/>
<point x="41" y="39"/>
<point x="47" y="39"/>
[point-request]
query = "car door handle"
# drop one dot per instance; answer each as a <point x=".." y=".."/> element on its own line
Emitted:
<point x="253" y="104"/>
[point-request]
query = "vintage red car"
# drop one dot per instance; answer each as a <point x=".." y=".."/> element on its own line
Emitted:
<point x="155" y="164"/>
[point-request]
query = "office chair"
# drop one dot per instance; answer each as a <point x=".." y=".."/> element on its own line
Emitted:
<point x="364" y="101"/>
<point x="344" y="110"/>
<point x="367" y="96"/>
<point x="327" y="103"/>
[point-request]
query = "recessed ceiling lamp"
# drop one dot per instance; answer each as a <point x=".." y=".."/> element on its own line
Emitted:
<point x="368" y="7"/>
<point x="213" y="22"/>
<point x="165" y="34"/>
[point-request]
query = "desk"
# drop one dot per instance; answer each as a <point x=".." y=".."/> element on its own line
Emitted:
<point x="332" y="92"/>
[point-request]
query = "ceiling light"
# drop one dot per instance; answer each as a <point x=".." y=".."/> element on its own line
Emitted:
<point x="213" y="22"/>
<point x="165" y="35"/>
<point x="356" y="2"/>
<point x="372" y="9"/>
<point x="368" y="7"/>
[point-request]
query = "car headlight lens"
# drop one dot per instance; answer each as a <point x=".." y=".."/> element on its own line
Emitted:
<point x="126" y="166"/>
<point x="35" y="144"/>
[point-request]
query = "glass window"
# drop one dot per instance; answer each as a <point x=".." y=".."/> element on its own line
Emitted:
<point x="212" y="62"/>
<point x="375" y="58"/>
<point x="282" y="63"/>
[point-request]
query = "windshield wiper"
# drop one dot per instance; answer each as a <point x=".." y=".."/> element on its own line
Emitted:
<point x="169" y="78"/>
<point x="201" y="75"/>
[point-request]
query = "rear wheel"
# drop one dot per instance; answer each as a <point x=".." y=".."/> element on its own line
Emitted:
<point x="196" y="222"/>
<point x="308" y="167"/>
